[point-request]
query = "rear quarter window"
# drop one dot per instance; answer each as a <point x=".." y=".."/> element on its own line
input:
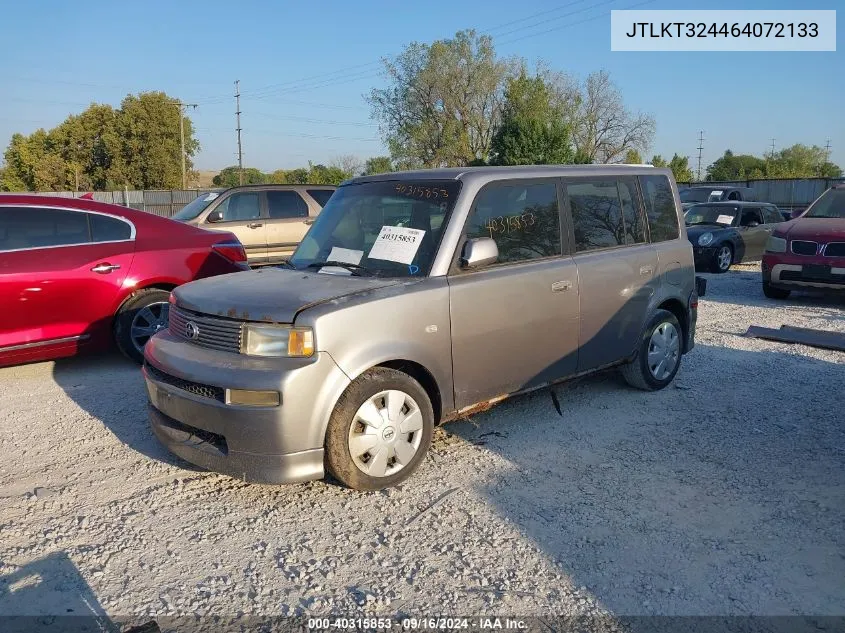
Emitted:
<point x="320" y="195"/>
<point x="660" y="208"/>
<point x="106" y="229"/>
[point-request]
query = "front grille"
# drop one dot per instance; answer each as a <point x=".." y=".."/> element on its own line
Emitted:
<point x="196" y="388"/>
<point x="211" y="332"/>
<point x="835" y="249"/>
<point x="802" y="247"/>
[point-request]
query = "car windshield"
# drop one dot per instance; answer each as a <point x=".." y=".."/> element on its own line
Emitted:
<point x="695" y="195"/>
<point x="195" y="207"/>
<point x="711" y="214"/>
<point x="389" y="228"/>
<point x="831" y="204"/>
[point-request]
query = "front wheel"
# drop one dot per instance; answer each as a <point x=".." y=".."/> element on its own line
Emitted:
<point x="722" y="259"/>
<point x="379" y="431"/>
<point x="659" y="356"/>
<point x="142" y="315"/>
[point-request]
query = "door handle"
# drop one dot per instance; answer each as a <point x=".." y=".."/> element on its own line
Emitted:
<point x="254" y="225"/>
<point x="560" y="286"/>
<point x="104" y="268"/>
<point x="646" y="270"/>
<point x="310" y="221"/>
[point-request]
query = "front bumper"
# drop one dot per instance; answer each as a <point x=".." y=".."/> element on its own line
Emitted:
<point x="703" y="257"/>
<point x="189" y="415"/>
<point x="791" y="272"/>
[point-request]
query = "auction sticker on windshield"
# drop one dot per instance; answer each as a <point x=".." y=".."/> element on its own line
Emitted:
<point x="725" y="219"/>
<point x="345" y="255"/>
<point x="397" y="244"/>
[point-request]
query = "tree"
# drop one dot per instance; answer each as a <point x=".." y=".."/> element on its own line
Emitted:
<point x="323" y="175"/>
<point x="658" y="161"/>
<point x="229" y="177"/>
<point x="681" y="169"/>
<point x="604" y="129"/>
<point x="378" y="165"/>
<point x="443" y="101"/>
<point x="801" y="161"/>
<point x="349" y="164"/>
<point x="532" y="130"/>
<point x="633" y="157"/>
<point x="732" y="167"/>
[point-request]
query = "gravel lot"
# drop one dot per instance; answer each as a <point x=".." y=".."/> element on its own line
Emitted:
<point x="723" y="494"/>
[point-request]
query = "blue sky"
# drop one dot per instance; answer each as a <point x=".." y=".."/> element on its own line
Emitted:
<point x="304" y="67"/>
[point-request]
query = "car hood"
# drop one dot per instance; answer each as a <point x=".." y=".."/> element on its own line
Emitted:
<point x="271" y="295"/>
<point x="815" y="229"/>
<point x="698" y="229"/>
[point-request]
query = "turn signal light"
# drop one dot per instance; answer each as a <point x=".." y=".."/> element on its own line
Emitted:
<point x="253" y="398"/>
<point x="233" y="251"/>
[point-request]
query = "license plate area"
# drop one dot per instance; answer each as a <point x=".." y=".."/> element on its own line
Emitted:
<point x="816" y="271"/>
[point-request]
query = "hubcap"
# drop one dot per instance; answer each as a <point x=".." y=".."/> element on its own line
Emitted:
<point x="147" y="321"/>
<point x="724" y="258"/>
<point x="664" y="349"/>
<point x="385" y="433"/>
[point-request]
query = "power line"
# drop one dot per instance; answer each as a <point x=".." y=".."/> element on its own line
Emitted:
<point x="238" y="115"/>
<point x="772" y="155"/>
<point x="700" y="147"/>
<point x="284" y="117"/>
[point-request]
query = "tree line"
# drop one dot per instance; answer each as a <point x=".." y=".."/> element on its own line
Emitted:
<point x="137" y="145"/>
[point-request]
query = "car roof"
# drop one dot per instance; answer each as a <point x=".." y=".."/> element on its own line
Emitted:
<point x="734" y="203"/>
<point x="31" y="199"/>
<point x="717" y="187"/>
<point x="275" y="186"/>
<point x="517" y="171"/>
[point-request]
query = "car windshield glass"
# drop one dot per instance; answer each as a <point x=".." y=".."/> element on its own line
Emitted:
<point x="831" y="204"/>
<point x="695" y="195"/>
<point x="390" y="228"/>
<point x="711" y="214"/>
<point x="195" y="207"/>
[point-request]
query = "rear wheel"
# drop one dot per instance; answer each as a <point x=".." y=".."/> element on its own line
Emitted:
<point x="774" y="293"/>
<point x="142" y="315"/>
<point x="659" y="356"/>
<point x="380" y="430"/>
<point x="722" y="259"/>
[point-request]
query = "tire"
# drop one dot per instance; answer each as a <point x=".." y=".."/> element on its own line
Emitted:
<point x="638" y="372"/>
<point x="143" y="309"/>
<point x="774" y="293"/>
<point x="367" y="397"/>
<point x="722" y="260"/>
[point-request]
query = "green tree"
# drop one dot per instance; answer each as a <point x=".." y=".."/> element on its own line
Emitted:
<point x="658" y="161"/>
<point x="681" y="169"/>
<point x="298" y="176"/>
<point x="229" y="177"/>
<point x="801" y="161"/>
<point x="633" y="157"/>
<point x="736" y="167"/>
<point x="442" y="102"/>
<point x="323" y="175"/>
<point x="378" y="165"/>
<point x="532" y="130"/>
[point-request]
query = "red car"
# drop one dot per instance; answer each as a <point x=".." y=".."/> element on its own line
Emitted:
<point x="77" y="274"/>
<point x="808" y="253"/>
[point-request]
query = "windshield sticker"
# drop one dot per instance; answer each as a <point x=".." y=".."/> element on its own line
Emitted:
<point x="716" y="194"/>
<point x="725" y="219"/>
<point x="397" y="244"/>
<point x="413" y="270"/>
<point x="211" y="196"/>
<point x="334" y="270"/>
<point x="345" y="255"/>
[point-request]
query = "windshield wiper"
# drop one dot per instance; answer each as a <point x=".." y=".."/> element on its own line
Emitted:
<point x="355" y="269"/>
<point x="287" y="264"/>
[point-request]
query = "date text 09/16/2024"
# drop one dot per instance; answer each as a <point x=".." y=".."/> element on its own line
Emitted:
<point x="418" y="624"/>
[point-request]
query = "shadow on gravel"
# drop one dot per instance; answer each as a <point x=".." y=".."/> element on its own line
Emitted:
<point x="111" y="388"/>
<point x="49" y="594"/>
<point x="732" y="501"/>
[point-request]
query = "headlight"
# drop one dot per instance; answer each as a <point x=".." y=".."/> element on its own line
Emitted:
<point x="775" y="245"/>
<point x="705" y="239"/>
<point x="276" y="340"/>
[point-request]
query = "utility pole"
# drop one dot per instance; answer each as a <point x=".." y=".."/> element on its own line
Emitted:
<point x="182" y="107"/>
<point x="827" y="152"/>
<point x="238" y="115"/>
<point x="772" y="155"/>
<point x="700" y="147"/>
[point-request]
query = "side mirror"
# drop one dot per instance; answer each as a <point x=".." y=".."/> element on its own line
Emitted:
<point x="796" y="213"/>
<point x="214" y="216"/>
<point x="479" y="252"/>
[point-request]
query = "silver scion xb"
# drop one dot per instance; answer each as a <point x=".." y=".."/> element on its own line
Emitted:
<point x="415" y="298"/>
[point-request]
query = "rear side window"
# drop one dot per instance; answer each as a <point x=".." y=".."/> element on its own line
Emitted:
<point x="660" y="208"/>
<point x="106" y="229"/>
<point x="320" y="195"/>
<point x="28" y="227"/>
<point x="522" y="218"/>
<point x="605" y="213"/>
<point x="240" y="207"/>
<point x="771" y="215"/>
<point x="286" y="204"/>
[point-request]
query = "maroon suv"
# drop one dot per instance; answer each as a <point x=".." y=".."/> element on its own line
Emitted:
<point x="808" y="253"/>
